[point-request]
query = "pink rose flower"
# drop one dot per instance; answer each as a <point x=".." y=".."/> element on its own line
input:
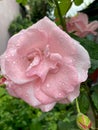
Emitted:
<point x="43" y="65"/>
<point x="80" y="25"/>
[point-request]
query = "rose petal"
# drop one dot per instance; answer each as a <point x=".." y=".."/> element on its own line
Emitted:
<point x="25" y="92"/>
<point x="93" y="26"/>
<point x="47" y="107"/>
<point x="15" y="57"/>
<point x="46" y="64"/>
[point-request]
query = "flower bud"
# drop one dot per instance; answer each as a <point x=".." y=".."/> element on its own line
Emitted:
<point x="83" y="122"/>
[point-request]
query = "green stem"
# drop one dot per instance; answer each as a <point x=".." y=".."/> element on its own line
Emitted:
<point x="69" y="7"/>
<point x="92" y="106"/>
<point x="60" y="15"/>
<point x="77" y="106"/>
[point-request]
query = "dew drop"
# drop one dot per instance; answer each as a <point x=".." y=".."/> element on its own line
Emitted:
<point x="48" y="85"/>
<point x="17" y="45"/>
<point x="26" y="95"/>
<point x="14" y="62"/>
<point x="6" y="56"/>
<point x="8" y="59"/>
<point x="63" y="83"/>
<point x="12" y="52"/>
<point x="60" y="94"/>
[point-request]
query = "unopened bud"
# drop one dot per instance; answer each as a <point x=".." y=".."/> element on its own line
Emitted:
<point x="83" y="122"/>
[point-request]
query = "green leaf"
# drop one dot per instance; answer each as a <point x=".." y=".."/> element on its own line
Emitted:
<point x="78" y="2"/>
<point x="95" y="88"/>
<point x="83" y="103"/>
<point x="67" y="125"/>
<point x="94" y="64"/>
<point x="36" y="125"/>
<point x="64" y="6"/>
<point x="51" y="3"/>
<point x="2" y="92"/>
<point x="23" y="2"/>
<point x="95" y="99"/>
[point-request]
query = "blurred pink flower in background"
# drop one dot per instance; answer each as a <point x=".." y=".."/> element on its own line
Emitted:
<point x="80" y="25"/>
<point x="43" y="65"/>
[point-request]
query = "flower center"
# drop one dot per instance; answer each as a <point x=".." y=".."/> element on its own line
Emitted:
<point x="43" y="62"/>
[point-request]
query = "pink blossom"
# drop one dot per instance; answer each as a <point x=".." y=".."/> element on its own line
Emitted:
<point x="43" y="65"/>
<point x="80" y="25"/>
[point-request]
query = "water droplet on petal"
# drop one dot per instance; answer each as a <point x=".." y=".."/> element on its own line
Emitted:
<point x="6" y="56"/>
<point x="60" y="94"/>
<point x="48" y="85"/>
<point x="46" y="51"/>
<point x="17" y="45"/>
<point x="14" y="62"/>
<point x="8" y="60"/>
<point x="63" y="83"/>
<point x="26" y="95"/>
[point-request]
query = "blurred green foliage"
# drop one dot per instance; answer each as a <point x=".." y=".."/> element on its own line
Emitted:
<point x="78" y="2"/>
<point x="23" y="2"/>
<point x="18" y="24"/>
<point x="15" y="114"/>
<point x="31" y="12"/>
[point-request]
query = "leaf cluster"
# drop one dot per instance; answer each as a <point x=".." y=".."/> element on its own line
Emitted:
<point x="15" y="114"/>
<point x="18" y="24"/>
<point x="31" y="12"/>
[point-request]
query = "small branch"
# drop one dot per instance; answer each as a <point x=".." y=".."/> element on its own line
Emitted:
<point x="60" y="15"/>
<point x="77" y="106"/>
